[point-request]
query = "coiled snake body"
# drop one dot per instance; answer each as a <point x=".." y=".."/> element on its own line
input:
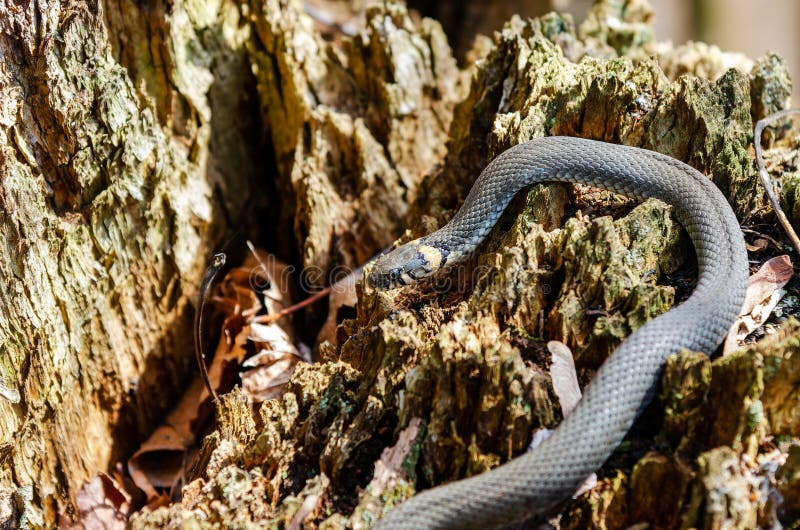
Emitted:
<point x="535" y="481"/>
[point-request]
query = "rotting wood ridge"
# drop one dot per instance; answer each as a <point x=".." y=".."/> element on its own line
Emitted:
<point x="364" y="150"/>
<point x="462" y="361"/>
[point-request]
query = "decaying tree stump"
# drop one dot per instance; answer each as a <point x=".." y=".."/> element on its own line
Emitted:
<point x="134" y="135"/>
<point x="123" y="160"/>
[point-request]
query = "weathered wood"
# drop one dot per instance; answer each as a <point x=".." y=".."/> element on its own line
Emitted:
<point x="463" y="360"/>
<point x="355" y="126"/>
<point x="132" y="135"/>
<point x="122" y="161"/>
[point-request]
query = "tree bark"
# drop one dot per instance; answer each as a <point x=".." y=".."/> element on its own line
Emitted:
<point x="133" y="136"/>
<point x="129" y="142"/>
<point x="416" y="393"/>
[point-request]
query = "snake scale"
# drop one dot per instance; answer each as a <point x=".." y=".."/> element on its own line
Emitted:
<point x="537" y="480"/>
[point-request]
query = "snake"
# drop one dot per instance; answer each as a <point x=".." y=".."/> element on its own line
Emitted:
<point x="535" y="482"/>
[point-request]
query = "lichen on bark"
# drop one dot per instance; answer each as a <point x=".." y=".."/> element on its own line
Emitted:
<point x="130" y="135"/>
<point x="110" y="203"/>
<point x="464" y="353"/>
<point x="355" y="126"/>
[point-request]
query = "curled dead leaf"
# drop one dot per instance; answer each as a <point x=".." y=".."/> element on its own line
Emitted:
<point x="343" y="294"/>
<point x="270" y="277"/>
<point x="764" y="291"/>
<point x="538" y="438"/>
<point x="390" y="465"/>
<point x="160" y="465"/>
<point x="758" y="245"/>
<point x="161" y="461"/>
<point x="103" y="504"/>
<point x="308" y="507"/>
<point x="586" y="485"/>
<point x="272" y="367"/>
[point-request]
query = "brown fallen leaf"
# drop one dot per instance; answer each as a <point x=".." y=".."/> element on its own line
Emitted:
<point x="764" y="291"/>
<point x="278" y="352"/>
<point x="758" y="245"/>
<point x="308" y="507"/>
<point x="565" y="384"/>
<point x="103" y="504"/>
<point x="159" y="466"/>
<point x="343" y="294"/>
<point x="539" y="436"/>
<point x="273" y="338"/>
<point x="589" y="483"/>
<point x="312" y="494"/>
<point x="161" y="461"/>
<point x="272" y="367"/>
<point x="270" y="277"/>
<point x="269" y="380"/>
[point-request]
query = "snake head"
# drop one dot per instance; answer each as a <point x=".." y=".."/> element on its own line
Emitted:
<point x="405" y="265"/>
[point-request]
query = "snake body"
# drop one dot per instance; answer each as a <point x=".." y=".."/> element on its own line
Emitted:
<point x="537" y="480"/>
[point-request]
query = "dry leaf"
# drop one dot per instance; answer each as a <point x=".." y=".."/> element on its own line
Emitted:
<point x="565" y="384"/>
<point x="277" y="354"/>
<point x="159" y="465"/>
<point x="758" y="245"/>
<point x="103" y="504"/>
<point x="272" y="366"/>
<point x="564" y="376"/>
<point x="161" y="461"/>
<point x="586" y="485"/>
<point x="343" y="294"/>
<point x="271" y="277"/>
<point x="271" y="337"/>
<point x="307" y="508"/>
<point x="311" y="494"/>
<point x="764" y="291"/>
<point x="268" y="381"/>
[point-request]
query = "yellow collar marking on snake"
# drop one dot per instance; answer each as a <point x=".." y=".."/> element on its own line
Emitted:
<point x="432" y="255"/>
<point x="534" y="482"/>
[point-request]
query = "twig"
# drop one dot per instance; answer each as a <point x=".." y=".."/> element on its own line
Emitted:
<point x="760" y="126"/>
<point x="266" y="319"/>
<point x="208" y="279"/>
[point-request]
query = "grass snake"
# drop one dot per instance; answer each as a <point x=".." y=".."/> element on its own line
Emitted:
<point x="537" y="480"/>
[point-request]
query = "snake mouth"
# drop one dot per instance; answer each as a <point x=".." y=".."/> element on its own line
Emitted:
<point x="394" y="278"/>
<point x="405" y="265"/>
<point x="379" y="279"/>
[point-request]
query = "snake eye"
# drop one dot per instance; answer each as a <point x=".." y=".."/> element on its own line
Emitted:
<point x="394" y="275"/>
